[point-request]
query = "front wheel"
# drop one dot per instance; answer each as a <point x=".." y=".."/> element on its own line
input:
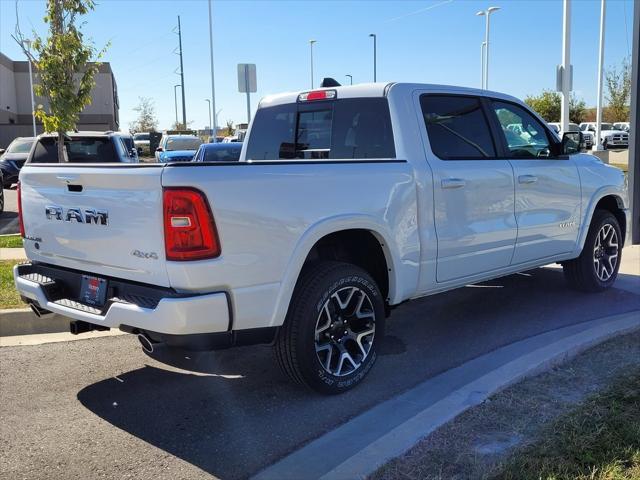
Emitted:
<point x="333" y="328"/>
<point x="596" y="269"/>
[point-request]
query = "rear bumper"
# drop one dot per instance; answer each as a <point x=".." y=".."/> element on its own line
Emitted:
<point x="130" y="306"/>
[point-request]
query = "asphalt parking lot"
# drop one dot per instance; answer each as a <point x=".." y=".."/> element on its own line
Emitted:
<point x="9" y="218"/>
<point x="102" y="408"/>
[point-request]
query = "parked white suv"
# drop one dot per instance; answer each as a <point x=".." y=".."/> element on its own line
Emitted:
<point x="573" y="127"/>
<point x="346" y="202"/>
<point x="609" y="135"/>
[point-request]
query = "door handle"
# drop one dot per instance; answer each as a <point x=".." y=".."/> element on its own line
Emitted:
<point x="527" y="179"/>
<point x="453" y="183"/>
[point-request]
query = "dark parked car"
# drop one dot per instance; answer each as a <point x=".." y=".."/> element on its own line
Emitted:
<point x="83" y="147"/>
<point x="12" y="159"/>
<point x="130" y="146"/>
<point x="1" y="194"/>
<point x="218" y="152"/>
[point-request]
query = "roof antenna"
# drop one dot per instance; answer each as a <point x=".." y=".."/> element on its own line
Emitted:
<point x="329" y="82"/>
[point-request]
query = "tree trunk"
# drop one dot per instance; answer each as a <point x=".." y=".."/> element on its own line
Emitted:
<point x="62" y="157"/>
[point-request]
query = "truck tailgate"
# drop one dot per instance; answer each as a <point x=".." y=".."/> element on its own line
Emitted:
<point x="105" y="219"/>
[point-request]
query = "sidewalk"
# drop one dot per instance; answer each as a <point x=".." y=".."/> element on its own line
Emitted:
<point x="12" y="254"/>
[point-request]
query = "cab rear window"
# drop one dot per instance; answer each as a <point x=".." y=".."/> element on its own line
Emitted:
<point x="353" y="128"/>
<point x="79" y="150"/>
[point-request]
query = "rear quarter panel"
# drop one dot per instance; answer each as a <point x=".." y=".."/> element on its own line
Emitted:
<point x="269" y="215"/>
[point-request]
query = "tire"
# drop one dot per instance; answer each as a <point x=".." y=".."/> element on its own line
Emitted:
<point x="1" y="199"/>
<point x="596" y="269"/>
<point x="333" y="328"/>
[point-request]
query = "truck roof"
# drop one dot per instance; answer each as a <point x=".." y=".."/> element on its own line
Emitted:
<point x="381" y="90"/>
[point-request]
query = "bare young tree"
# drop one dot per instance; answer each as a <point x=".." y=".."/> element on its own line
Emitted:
<point x="618" y="83"/>
<point x="146" y="121"/>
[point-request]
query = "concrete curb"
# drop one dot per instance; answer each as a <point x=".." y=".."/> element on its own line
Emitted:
<point x="360" y="446"/>
<point x="22" y="321"/>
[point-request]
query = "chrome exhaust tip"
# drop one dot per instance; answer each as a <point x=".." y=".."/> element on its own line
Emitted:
<point x="145" y="341"/>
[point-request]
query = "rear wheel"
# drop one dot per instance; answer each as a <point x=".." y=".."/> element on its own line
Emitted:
<point x="597" y="266"/>
<point x="1" y="198"/>
<point x="333" y="328"/>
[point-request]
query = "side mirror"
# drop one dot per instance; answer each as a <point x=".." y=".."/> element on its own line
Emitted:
<point x="2" y="151"/>
<point x="572" y="142"/>
<point x="159" y="149"/>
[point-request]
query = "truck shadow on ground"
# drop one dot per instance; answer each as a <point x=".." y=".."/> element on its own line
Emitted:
<point x="231" y="413"/>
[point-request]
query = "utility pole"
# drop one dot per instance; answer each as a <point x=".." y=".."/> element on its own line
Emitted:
<point x="597" y="145"/>
<point x="566" y="65"/>
<point x="184" y="107"/>
<point x="175" y="100"/>
<point x="213" y="88"/>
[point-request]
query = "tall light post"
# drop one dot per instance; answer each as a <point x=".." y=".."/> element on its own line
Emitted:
<point x="213" y="88"/>
<point x="209" y="110"/>
<point x="487" y="14"/>
<point x="311" y="42"/>
<point x="175" y="100"/>
<point x="373" y="35"/>
<point x="483" y="46"/>
<point x="33" y="103"/>
<point x="350" y="79"/>
<point x="597" y="145"/>
<point x="566" y="65"/>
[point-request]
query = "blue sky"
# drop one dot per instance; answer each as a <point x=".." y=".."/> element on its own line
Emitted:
<point x="434" y="41"/>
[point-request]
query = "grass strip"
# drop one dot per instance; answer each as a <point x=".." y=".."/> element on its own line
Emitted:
<point x="9" y="297"/>
<point x="599" y="440"/>
<point x="10" y="241"/>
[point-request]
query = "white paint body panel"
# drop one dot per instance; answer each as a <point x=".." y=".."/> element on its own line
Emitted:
<point x="269" y="216"/>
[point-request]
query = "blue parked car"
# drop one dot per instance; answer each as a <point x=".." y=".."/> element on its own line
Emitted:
<point x="177" y="148"/>
<point x="218" y="152"/>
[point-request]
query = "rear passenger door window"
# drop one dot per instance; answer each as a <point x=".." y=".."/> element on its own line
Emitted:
<point x="524" y="135"/>
<point x="350" y="128"/>
<point x="457" y="127"/>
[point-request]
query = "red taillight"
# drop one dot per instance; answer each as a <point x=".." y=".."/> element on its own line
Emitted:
<point x="317" y="95"/>
<point x="189" y="230"/>
<point x="20" y="221"/>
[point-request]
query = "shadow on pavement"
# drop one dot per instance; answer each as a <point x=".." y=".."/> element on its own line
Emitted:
<point x="232" y="412"/>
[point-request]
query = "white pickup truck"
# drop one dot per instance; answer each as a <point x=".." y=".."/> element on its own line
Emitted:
<point x="346" y="202"/>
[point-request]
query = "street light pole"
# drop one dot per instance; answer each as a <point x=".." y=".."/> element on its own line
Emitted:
<point x="175" y="100"/>
<point x="33" y="104"/>
<point x="214" y="127"/>
<point x="209" y="110"/>
<point x="311" y="42"/>
<point x="374" y="55"/>
<point x="597" y="144"/>
<point x="350" y="79"/>
<point x="566" y="65"/>
<point x="487" y="14"/>
<point x="483" y="45"/>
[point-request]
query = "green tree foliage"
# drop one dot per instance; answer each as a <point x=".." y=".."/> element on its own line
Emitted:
<point x="146" y="121"/>
<point x="549" y="105"/>
<point x="66" y="67"/>
<point x="577" y="110"/>
<point x="618" y="96"/>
